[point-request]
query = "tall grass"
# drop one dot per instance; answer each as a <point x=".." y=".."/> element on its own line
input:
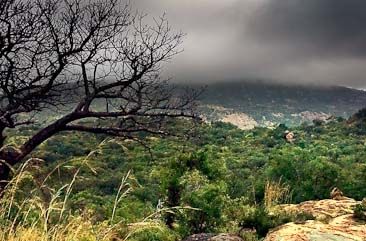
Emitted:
<point x="28" y="216"/>
<point x="40" y="213"/>
<point x="123" y="190"/>
<point x="276" y="193"/>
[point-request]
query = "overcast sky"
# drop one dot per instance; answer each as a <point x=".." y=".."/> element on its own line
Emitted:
<point x="298" y="41"/>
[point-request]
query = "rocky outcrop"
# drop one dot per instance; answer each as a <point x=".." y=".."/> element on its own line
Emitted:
<point x="289" y="136"/>
<point x="225" y="237"/>
<point x="241" y="120"/>
<point x="323" y="209"/>
<point x="333" y="221"/>
<point x="219" y="113"/>
<point x="213" y="237"/>
<point x="311" y="116"/>
<point x="337" y="194"/>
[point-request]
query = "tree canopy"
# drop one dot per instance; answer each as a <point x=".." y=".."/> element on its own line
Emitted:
<point x="79" y="54"/>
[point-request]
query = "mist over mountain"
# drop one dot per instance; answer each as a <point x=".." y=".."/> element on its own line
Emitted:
<point x="273" y="103"/>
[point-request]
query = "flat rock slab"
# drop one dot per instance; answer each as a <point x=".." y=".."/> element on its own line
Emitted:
<point x="333" y="222"/>
<point x="324" y="208"/>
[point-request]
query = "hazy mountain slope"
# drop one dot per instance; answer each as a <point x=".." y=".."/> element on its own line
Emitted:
<point x="249" y="104"/>
<point x="279" y="103"/>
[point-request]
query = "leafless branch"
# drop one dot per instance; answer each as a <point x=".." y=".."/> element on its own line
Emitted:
<point x="83" y="53"/>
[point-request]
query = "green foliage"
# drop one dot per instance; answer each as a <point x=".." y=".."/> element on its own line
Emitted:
<point x="217" y="177"/>
<point x="262" y="220"/>
<point x="154" y="234"/>
<point x="209" y="199"/>
<point x="360" y="212"/>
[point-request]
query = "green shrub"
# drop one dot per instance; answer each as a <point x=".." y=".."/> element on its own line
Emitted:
<point x="154" y="234"/>
<point x="360" y="212"/>
<point x="263" y="221"/>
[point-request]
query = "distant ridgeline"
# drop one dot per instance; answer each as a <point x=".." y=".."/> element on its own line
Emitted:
<point x="261" y="103"/>
<point x="250" y="104"/>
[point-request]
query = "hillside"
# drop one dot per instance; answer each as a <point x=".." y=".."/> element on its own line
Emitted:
<point x="248" y="104"/>
<point x="220" y="180"/>
<point x="217" y="178"/>
<point x="269" y="103"/>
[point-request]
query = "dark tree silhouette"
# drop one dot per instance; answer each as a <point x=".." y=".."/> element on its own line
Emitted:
<point x="56" y="53"/>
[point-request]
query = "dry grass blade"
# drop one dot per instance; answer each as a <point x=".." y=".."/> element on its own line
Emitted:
<point x="276" y="193"/>
<point x="120" y="195"/>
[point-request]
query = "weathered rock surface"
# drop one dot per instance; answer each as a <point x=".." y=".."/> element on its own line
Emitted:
<point x="241" y="120"/>
<point x="327" y="208"/>
<point x="219" y="113"/>
<point x="333" y="221"/>
<point x="213" y="237"/>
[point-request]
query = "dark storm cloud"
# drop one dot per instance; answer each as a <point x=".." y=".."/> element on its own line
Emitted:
<point x="307" y="41"/>
<point x="329" y="27"/>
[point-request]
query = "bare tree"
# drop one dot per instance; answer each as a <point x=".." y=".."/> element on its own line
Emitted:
<point x="82" y="52"/>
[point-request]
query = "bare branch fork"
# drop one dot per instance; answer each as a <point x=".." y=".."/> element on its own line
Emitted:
<point x="77" y="52"/>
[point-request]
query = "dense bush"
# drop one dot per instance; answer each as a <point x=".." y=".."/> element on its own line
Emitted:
<point x="360" y="211"/>
<point x="211" y="182"/>
<point x="262" y="220"/>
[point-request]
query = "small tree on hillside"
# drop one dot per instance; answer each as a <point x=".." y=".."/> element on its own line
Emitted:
<point x="78" y="53"/>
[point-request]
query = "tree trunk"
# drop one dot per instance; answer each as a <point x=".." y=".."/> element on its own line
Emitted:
<point x="8" y="157"/>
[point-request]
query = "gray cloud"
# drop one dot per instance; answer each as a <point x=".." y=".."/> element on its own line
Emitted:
<point x="329" y="27"/>
<point x="298" y="41"/>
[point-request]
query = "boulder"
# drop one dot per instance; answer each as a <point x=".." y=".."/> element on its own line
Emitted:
<point x="333" y="221"/>
<point x="289" y="136"/>
<point x="337" y="194"/>
<point x="323" y="209"/>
